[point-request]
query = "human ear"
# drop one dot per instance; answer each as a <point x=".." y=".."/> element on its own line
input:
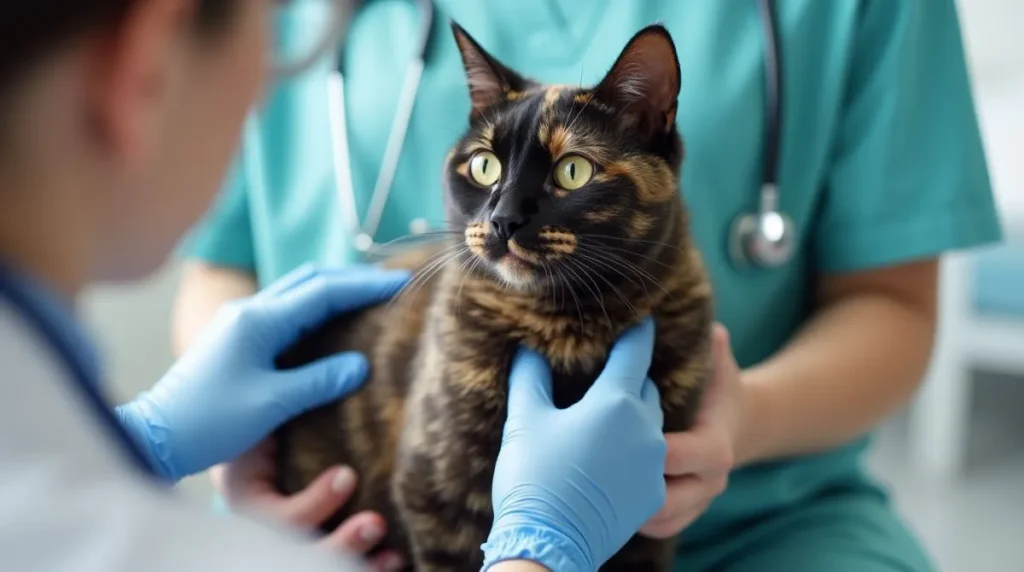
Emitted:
<point x="135" y="63"/>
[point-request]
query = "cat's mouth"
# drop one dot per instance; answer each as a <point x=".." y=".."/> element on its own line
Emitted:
<point x="514" y="263"/>
<point x="520" y="262"/>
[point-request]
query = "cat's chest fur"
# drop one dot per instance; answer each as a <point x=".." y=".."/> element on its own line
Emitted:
<point x="425" y="430"/>
<point x="456" y="407"/>
<point x="477" y="326"/>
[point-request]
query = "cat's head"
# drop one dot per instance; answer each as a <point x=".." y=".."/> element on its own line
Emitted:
<point x="554" y="182"/>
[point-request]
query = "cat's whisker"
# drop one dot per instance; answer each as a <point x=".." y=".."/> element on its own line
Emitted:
<point x="595" y="244"/>
<point x="433" y="261"/>
<point x="595" y="291"/>
<point x="603" y="250"/>
<point x="551" y="268"/>
<point x="578" y="114"/>
<point x="583" y="263"/>
<point x="379" y="249"/>
<point x="437" y="267"/>
<point x="604" y="264"/>
<point x="550" y="283"/>
<point x="579" y="307"/>
<point x="585" y="235"/>
<point x="462" y="280"/>
<point x="625" y="300"/>
<point x="632" y="267"/>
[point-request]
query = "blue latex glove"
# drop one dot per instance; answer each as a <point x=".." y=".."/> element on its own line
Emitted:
<point x="572" y="485"/>
<point x="225" y="395"/>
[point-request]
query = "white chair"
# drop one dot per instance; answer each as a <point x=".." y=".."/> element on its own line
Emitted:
<point x="967" y="339"/>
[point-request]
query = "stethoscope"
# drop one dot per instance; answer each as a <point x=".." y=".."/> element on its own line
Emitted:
<point x="363" y="232"/>
<point x="764" y="238"/>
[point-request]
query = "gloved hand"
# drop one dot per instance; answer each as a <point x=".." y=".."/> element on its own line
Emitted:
<point x="572" y="485"/>
<point x="225" y="395"/>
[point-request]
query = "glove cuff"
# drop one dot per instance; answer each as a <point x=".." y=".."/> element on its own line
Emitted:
<point x="136" y="424"/>
<point x="551" y="549"/>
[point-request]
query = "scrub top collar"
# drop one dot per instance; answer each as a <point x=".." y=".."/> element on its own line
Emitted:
<point x="54" y="317"/>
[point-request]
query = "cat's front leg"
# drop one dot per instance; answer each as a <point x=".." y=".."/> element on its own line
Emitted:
<point x="447" y="520"/>
<point x="445" y="466"/>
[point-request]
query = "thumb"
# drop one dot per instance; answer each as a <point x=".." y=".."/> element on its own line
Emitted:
<point x="720" y="345"/>
<point x="323" y="381"/>
<point x="723" y="365"/>
<point x="529" y="384"/>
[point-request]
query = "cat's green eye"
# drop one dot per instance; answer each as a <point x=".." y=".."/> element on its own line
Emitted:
<point x="573" y="172"/>
<point x="485" y="169"/>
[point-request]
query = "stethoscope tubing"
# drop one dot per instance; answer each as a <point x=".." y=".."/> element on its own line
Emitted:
<point x="364" y="233"/>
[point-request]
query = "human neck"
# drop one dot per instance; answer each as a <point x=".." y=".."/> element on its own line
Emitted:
<point x="45" y="234"/>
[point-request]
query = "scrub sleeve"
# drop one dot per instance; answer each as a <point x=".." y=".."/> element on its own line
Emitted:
<point x="907" y="180"/>
<point x="224" y="236"/>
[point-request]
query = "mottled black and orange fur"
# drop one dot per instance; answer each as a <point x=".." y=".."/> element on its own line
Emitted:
<point x="583" y="266"/>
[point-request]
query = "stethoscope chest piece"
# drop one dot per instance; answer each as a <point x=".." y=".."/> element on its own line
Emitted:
<point x="766" y="238"/>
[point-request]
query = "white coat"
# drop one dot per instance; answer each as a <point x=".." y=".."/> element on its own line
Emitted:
<point x="71" y="500"/>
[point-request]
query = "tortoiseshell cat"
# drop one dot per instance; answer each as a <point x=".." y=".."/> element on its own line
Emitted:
<point x="573" y="230"/>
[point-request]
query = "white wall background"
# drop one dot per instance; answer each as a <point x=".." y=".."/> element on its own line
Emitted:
<point x="133" y="321"/>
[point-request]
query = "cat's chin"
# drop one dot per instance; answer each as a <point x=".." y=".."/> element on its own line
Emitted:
<point x="515" y="273"/>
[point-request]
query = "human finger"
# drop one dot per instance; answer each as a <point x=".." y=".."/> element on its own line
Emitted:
<point x="324" y="296"/>
<point x="529" y="383"/>
<point x="387" y="561"/>
<point x="314" y="504"/>
<point x="696" y="452"/>
<point x="650" y="394"/>
<point x="320" y="382"/>
<point x="289" y="281"/>
<point x="629" y="360"/>
<point x="671" y="527"/>
<point x="359" y="534"/>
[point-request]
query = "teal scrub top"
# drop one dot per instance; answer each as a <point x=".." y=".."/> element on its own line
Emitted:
<point x="881" y="159"/>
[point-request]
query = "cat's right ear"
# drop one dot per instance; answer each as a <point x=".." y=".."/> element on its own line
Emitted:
<point x="489" y="80"/>
<point x="643" y="84"/>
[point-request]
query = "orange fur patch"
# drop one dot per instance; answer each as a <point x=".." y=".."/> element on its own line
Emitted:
<point x="544" y="133"/>
<point x="551" y="96"/>
<point x="640" y="224"/>
<point x="652" y="177"/>
<point x="558" y="242"/>
<point x="559" y="141"/>
<point x="605" y="215"/>
<point x="475" y="235"/>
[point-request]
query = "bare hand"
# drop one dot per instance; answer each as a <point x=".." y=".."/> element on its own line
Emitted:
<point x="248" y="483"/>
<point x="698" y="461"/>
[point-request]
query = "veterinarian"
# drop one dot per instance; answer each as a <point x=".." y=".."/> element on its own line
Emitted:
<point x="117" y="120"/>
<point x="823" y="256"/>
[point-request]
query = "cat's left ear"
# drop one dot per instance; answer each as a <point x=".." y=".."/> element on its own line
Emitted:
<point x="643" y="84"/>
<point x="489" y="80"/>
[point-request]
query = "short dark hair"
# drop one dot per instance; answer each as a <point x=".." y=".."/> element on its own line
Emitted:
<point x="30" y="29"/>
